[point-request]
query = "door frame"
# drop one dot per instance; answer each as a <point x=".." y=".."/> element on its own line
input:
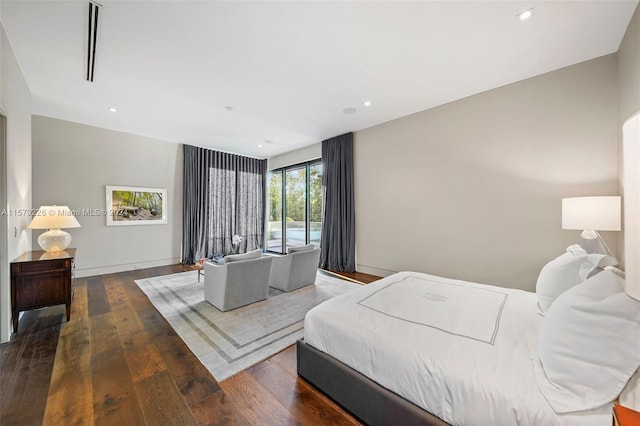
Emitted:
<point x="5" y="293"/>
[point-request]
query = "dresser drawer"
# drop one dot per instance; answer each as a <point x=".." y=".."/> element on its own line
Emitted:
<point x="40" y="290"/>
<point x="42" y="266"/>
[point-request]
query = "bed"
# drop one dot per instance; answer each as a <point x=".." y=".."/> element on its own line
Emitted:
<point x="414" y="348"/>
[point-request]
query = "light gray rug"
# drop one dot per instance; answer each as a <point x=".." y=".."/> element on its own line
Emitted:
<point x="228" y="342"/>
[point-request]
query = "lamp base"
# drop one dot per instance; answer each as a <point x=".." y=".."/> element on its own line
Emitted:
<point x="595" y="245"/>
<point x="54" y="240"/>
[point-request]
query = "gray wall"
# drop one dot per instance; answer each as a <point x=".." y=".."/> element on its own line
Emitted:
<point x="629" y="69"/>
<point x="72" y="163"/>
<point x="628" y="88"/>
<point x="472" y="189"/>
<point x="15" y="104"/>
<point x="308" y="153"/>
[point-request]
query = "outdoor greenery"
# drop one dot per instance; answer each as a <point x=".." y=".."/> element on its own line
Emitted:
<point x="275" y="197"/>
<point x="315" y="193"/>
<point x="295" y="193"/>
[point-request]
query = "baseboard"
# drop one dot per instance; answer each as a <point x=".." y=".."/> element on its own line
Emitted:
<point x="111" y="269"/>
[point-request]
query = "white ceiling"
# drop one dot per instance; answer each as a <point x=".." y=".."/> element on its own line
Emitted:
<point x="289" y="69"/>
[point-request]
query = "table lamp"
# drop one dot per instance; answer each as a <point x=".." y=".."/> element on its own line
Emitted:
<point x="54" y="218"/>
<point x="592" y="214"/>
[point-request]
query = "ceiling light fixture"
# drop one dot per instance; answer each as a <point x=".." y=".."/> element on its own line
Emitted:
<point x="112" y="109"/>
<point x="366" y="103"/>
<point x="260" y="145"/>
<point x="523" y="16"/>
<point x="349" y="110"/>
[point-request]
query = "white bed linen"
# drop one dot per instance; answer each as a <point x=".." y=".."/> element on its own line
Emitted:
<point x="454" y="376"/>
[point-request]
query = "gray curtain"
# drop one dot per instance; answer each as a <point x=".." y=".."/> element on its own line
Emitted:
<point x="338" y="243"/>
<point x="224" y="195"/>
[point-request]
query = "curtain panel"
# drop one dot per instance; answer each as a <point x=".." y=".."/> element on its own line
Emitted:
<point x="223" y="196"/>
<point x="338" y="242"/>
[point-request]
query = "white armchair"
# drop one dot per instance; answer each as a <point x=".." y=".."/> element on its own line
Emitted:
<point x="241" y="280"/>
<point x="296" y="269"/>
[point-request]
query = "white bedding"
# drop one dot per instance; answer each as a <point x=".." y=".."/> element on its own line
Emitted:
<point x="462" y="351"/>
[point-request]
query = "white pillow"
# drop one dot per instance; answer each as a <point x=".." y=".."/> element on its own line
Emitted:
<point x="589" y="344"/>
<point x="255" y="254"/>
<point x="301" y="248"/>
<point x="566" y="271"/>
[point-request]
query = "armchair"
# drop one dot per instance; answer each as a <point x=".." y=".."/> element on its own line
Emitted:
<point x="240" y="280"/>
<point x="296" y="269"/>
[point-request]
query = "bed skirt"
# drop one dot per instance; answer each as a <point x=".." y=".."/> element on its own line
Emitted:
<point x="361" y="396"/>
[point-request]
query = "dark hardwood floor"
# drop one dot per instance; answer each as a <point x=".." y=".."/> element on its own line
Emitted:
<point x="118" y="361"/>
<point x="357" y="277"/>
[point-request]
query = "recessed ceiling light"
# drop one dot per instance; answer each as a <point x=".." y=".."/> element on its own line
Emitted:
<point x="523" y="16"/>
<point x="112" y="109"/>
<point x="366" y="103"/>
<point x="259" y="145"/>
<point x="349" y="110"/>
<point x="229" y="108"/>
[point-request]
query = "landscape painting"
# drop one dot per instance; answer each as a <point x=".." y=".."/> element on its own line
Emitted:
<point x="132" y="205"/>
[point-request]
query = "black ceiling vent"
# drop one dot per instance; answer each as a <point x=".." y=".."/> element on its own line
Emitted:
<point x="92" y="38"/>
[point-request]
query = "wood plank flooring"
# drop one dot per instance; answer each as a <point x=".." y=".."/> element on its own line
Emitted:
<point x="357" y="277"/>
<point x="118" y="361"/>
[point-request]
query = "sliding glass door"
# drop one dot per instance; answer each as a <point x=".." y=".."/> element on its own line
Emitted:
<point x="315" y="203"/>
<point x="274" y="234"/>
<point x="294" y="206"/>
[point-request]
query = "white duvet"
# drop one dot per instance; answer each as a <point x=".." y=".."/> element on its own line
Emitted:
<point x="462" y="351"/>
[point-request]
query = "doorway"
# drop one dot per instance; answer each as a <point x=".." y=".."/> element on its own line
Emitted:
<point x="5" y="308"/>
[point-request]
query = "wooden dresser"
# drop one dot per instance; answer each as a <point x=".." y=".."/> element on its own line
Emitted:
<point x="39" y="279"/>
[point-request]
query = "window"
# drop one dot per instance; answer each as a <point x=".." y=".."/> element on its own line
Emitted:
<point x="274" y="211"/>
<point x="294" y="206"/>
<point x="315" y="203"/>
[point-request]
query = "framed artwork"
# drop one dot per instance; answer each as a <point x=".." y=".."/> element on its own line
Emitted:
<point x="133" y="205"/>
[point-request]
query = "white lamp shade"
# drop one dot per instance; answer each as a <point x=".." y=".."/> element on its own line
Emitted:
<point x="591" y="213"/>
<point x="54" y="217"/>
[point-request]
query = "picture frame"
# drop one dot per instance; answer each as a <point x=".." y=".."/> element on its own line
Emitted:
<point x="135" y="205"/>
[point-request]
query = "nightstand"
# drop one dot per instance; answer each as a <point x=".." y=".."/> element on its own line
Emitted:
<point x="39" y="279"/>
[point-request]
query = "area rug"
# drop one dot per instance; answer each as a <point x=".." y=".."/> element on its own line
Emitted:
<point x="228" y="342"/>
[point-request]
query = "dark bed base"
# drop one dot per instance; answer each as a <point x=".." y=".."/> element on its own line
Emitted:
<point x="361" y="396"/>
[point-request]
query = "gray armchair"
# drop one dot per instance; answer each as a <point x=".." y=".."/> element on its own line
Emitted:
<point x="296" y="269"/>
<point x="240" y="280"/>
